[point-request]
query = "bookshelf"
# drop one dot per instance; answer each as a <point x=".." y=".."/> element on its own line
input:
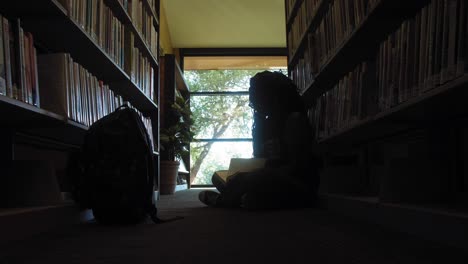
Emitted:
<point x="385" y="83"/>
<point x="172" y="83"/>
<point x="110" y="49"/>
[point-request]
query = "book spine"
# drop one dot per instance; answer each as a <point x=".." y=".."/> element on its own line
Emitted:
<point x="428" y="82"/>
<point x="3" y="88"/>
<point x="411" y="35"/>
<point x="462" y="39"/>
<point x="27" y="69"/>
<point x="422" y="49"/>
<point x="438" y="42"/>
<point x="21" y="63"/>
<point x="445" y="44"/>
<point x="69" y="87"/>
<point x="416" y="44"/>
<point x="452" y="41"/>
<point x="7" y="56"/>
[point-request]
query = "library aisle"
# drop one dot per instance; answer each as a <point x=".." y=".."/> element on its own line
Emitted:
<point x="215" y="235"/>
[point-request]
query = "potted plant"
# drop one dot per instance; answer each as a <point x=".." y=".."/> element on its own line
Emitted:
<point x="175" y="140"/>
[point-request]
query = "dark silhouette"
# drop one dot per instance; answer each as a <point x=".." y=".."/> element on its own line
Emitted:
<point x="281" y="134"/>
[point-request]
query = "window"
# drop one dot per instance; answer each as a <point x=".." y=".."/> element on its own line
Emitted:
<point x="219" y="100"/>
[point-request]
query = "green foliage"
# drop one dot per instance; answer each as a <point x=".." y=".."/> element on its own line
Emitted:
<point x="176" y="138"/>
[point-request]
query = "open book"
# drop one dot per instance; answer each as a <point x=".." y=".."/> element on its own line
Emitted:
<point x="241" y="165"/>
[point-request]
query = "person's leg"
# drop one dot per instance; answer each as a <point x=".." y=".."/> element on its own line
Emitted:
<point x="236" y="185"/>
<point x="276" y="188"/>
<point x="218" y="182"/>
<point x="230" y="191"/>
<point x="208" y="197"/>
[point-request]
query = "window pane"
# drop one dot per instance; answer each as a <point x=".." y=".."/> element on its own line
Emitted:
<point x="217" y="157"/>
<point x="222" y="116"/>
<point x="219" y="80"/>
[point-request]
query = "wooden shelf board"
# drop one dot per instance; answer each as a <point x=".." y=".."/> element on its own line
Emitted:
<point x="125" y="18"/>
<point x="441" y="104"/>
<point x="152" y="12"/>
<point x="358" y="46"/>
<point x="84" y="50"/>
<point x="317" y="17"/>
<point x="77" y="125"/>
<point x="37" y="8"/>
<point x="292" y="13"/>
<point x="20" y="114"/>
<point x="36" y="121"/>
<point x="134" y="95"/>
<point x="68" y="135"/>
<point x="180" y="80"/>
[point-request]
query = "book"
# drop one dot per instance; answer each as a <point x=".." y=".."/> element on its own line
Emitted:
<point x="453" y="13"/>
<point x="13" y="61"/>
<point x="7" y="57"/>
<point x="3" y="88"/>
<point x="53" y="77"/>
<point x="462" y="40"/>
<point x="241" y="165"/>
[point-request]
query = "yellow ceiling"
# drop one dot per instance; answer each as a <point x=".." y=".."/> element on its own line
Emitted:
<point x="225" y="23"/>
<point x="234" y="62"/>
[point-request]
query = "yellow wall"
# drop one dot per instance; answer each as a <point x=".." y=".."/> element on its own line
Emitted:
<point x="164" y="36"/>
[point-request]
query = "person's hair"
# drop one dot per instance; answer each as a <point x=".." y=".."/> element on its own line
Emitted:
<point x="276" y="89"/>
<point x="273" y="96"/>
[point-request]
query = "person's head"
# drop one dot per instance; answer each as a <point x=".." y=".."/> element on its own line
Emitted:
<point x="273" y="93"/>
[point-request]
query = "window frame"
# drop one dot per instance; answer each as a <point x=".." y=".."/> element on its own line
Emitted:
<point x="226" y="52"/>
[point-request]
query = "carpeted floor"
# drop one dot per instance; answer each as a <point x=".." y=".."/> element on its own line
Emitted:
<point x="213" y="235"/>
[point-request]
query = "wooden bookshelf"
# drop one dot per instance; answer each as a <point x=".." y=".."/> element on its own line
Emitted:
<point x="313" y="23"/>
<point x="75" y="40"/>
<point x="172" y="82"/>
<point x="357" y="46"/>
<point x="292" y="13"/>
<point x="154" y="13"/>
<point x="140" y="42"/>
<point x="388" y="128"/>
<point x="443" y="104"/>
<point x="36" y="121"/>
<point x="26" y="115"/>
<point x="55" y="31"/>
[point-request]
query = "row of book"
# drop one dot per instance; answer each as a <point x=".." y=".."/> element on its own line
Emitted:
<point x="339" y="21"/>
<point x="139" y="68"/>
<point x="148" y="125"/>
<point x="18" y="57"/>
<point x="143" y="20"/>
<point x="289" y="6"/>
<point x="116" y="39"/>
<point x="100" y="23"/>
<point x="300" y="23"/>
<point x="70" y="90"/>
<point x="352" y="99"/>
<point x="153" y="4"/>
<point x="426" y="51"/>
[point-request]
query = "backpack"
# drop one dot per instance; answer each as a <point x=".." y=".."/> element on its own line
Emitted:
<point x="115" y="171"/>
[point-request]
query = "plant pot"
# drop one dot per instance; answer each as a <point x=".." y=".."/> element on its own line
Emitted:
<point x="168" y="176"/>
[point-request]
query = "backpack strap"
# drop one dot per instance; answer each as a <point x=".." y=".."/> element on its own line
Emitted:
<point x="153" y="213"/>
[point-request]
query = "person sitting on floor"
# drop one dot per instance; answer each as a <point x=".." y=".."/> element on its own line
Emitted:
<point x="281" y="134"/>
